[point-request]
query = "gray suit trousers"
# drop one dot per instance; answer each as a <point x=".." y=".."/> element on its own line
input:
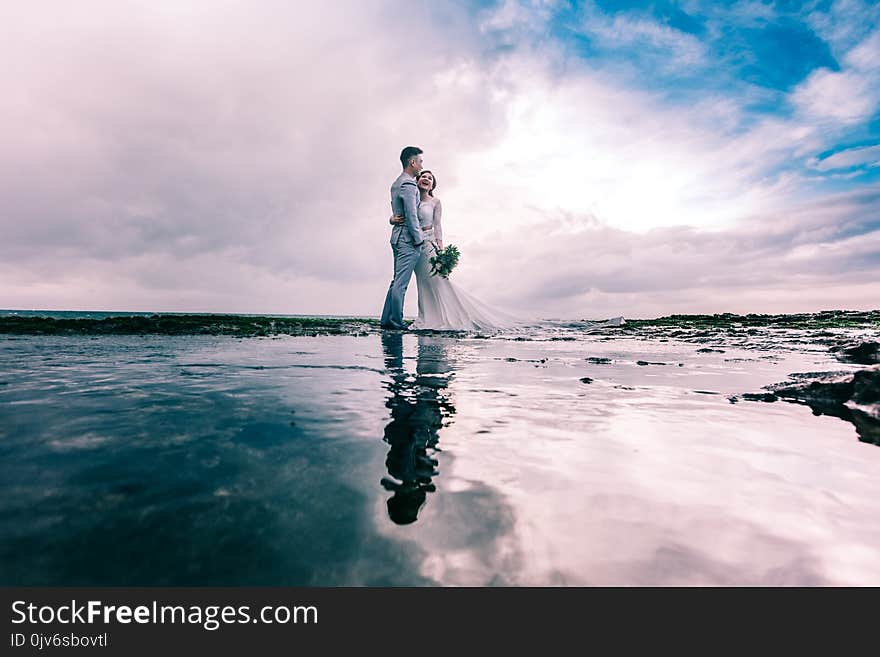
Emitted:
<point x="406" y="255"/>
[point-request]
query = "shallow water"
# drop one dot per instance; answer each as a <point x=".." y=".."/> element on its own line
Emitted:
<point x="310" y="460"/>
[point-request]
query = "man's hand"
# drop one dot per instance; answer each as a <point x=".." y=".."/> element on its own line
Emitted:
<point x="395" y="220"/>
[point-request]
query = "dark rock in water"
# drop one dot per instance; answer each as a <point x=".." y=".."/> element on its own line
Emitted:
<point x="706" y="350"/>
<point x="854" y="397"/>
<point x="866" y="353"/>
<point x="647" y="362"/>
<point x="861" y="388"/>
<point x="811" y="376"/>
<point x="760" y="396"/>
<point x="597" y="360"/>
<point x="586" y="379"/>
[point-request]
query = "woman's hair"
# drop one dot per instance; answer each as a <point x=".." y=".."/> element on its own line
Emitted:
<point x="422" y="173"/>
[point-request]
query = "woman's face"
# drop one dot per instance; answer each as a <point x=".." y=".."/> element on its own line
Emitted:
<point x="426" y="181"/>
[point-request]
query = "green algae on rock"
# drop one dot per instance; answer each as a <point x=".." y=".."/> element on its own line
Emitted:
<point x="823" y="319"/>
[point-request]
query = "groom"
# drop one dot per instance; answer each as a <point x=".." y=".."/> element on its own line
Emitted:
<point x="406" y="238"/>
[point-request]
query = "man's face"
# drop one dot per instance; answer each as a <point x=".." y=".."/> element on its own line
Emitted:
<point x="417" y="163"/>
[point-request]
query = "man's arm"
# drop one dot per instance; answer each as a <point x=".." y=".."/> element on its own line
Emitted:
<point x="409" y="194"/>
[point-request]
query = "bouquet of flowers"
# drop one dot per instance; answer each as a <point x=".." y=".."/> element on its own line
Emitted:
<point x="444" y="261"/>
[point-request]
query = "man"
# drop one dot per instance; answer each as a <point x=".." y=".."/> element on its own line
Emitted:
<point x="407" y="240"/>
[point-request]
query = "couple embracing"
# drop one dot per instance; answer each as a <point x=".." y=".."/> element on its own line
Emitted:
<point x="417" y="236"/>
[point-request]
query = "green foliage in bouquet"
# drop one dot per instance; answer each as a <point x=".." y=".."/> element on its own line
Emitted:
<point x="444" y="261"/>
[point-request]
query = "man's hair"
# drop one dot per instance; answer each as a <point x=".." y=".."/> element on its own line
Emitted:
<point x="408" y="153"/>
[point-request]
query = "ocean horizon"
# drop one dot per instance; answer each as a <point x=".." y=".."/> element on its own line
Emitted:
<point x="101" y="314"/>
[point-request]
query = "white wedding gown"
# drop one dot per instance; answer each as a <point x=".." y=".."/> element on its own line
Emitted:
<point x="442" y="305"/>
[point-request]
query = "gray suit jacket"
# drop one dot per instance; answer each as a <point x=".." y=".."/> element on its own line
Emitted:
<point x="405" y="200"/>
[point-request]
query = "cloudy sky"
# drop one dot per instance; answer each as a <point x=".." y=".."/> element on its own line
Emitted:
<point x="593" y="158"/>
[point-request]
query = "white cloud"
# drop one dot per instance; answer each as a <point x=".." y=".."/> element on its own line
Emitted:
<point x="517" y="15"/>
<point x="848" y="96"/>
<point x="866" y="55"/>
<point x="237" y="157"/>
<point x="670" y="48"/>
<point x="843" y="96"/>
<point x="753" y="10"/>
<point x="186" y="131"/>
<point x="862" y="156"/>
<point x="584" y="146"/>
<point x="844" y="22"/>
<point x="819" y="255"/>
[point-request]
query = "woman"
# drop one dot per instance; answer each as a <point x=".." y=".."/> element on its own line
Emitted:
<point x="442" y="305"/>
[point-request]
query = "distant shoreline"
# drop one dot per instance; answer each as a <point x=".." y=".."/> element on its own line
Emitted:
<point x="33" y="323"/>
<point x="185" y="324"/>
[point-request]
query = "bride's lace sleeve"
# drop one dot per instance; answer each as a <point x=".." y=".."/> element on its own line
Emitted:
<point x="438" y="229"/>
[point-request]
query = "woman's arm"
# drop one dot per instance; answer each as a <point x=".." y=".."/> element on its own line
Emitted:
<point x="438" y="229"/>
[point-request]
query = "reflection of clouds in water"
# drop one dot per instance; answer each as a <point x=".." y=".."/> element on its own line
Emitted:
<point x="680" y="565"/>
<point x="203" y="479"/>
<point x="470" y="537"/>
<point x="243" y="499"/>
<point x="658" y="486"/>
<point x="744" y="554"/>
<point x="475" y="544"/>
<point x="128" y="473"/>
<point x="418" y="407"/>
<point x="607" y="539"/>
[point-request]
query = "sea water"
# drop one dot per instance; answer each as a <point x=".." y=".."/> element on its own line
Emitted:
<point x="563" y="457"/>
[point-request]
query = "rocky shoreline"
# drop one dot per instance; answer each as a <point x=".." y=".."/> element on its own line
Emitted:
<point x="851" y="396"/>
<point x="728" y="327"/>
<point x="234" y="325"/>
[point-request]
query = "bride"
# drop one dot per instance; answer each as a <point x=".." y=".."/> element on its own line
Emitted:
<point x="442" y="305"/>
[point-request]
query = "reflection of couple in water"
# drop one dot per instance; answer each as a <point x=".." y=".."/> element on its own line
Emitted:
<point x="418" y="406"/>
